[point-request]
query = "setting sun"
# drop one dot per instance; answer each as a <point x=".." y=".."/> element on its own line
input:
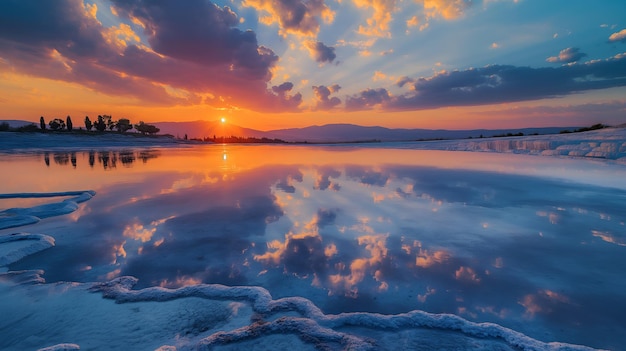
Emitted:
<point x="223" y="120"/>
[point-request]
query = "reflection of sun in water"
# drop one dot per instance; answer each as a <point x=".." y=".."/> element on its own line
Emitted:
<point x="223" y="119"/>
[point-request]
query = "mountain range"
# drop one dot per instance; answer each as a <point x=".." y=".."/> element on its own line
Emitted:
<point x="335" y="132"/>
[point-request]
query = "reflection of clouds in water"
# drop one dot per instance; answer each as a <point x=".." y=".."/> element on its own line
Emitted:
<point x="424" y="258"/>
<point x="375" y="245"/>
<point x="367" y="176"/>
<point x="180" y="281"/>
<point x="447" y="237"/>
<point x="467" y="274"/>
<point x="323" y="182"/>
<point x="552" y="216"/>
<point x="609" y="238"/>
<point x="143" y="233"/>
<point x="139" y="232"/>
<point x="441" y="240"/>
<point x="542" y="302"/>
<point x="302" y="254"/>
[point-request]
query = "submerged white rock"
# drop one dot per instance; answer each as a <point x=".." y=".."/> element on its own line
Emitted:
<point x="17" y="217"/>
<point x="14" y="247"/>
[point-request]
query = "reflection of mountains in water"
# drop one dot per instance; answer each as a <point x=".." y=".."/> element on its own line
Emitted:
<point x="107" y="158"/>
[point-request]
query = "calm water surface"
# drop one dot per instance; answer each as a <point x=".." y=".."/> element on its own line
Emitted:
<point x="535" y="244"/>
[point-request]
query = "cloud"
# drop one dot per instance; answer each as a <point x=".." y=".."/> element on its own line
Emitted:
<point x="412" y="22"/>
<point x="618" y="36"/>
<point x="378" y="24"/>
<point x="404" y="80"/>
<point x="368" y="98"/>
<point x="378" y="75"/>
<point x="325" y="217"/>
<point x="282" y="90"/>
<point x="447" y="9"/>
<point x="293" y="16"/>
<point x="194" y="52"/>
<point x="568" y="55"/>
<point x="199" y="32"/>
<point x="320" y="52"/>
<point x="495" y="84"/>
<point x="323" y="99"/>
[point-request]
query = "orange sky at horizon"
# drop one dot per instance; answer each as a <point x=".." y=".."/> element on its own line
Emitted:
<point x="33" y="97"/>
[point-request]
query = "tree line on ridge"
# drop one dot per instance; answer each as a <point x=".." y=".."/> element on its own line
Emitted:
<point x="101" y="124"/>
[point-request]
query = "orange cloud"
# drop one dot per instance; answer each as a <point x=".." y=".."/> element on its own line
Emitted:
<point x="120" y="35"/>
<point x="618" y="36"/>
<point x="415" y="22"/>
<point x="378" y="24"/>
<point x="448" y="9"/>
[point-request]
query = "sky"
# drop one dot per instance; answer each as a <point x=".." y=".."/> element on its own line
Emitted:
<point x="271" y="64"/>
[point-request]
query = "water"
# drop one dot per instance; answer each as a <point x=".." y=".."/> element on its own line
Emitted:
<point x="534" y="244"/>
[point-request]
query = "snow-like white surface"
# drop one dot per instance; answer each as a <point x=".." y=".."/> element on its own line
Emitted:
<point x="16" y="217"/>
<point x="61" y="347"/>
<point x="312" y="324"/>
<point x="608" y="143"/>
<point x="16" y="246"/>
<point x="214" y="316"/>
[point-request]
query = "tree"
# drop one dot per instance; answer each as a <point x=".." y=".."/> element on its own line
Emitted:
<point x="100" y="125"/>
<point x="88" y="124"/>
<point x="68" y="120"/>
<point x="123" y="125"/>
<point x="145" y="128"/>
<point x="57" y="124"/>
<point x="42" y="123"/>
<point x="108" y="121"/>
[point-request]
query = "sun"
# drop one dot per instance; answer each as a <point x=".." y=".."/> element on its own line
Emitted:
<point x="223" y="119"/>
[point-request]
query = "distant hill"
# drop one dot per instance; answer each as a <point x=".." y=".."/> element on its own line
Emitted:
<point x="202" y="129"/>
<point x="335" y="132"/>
<point x="15" y="123"/>
<point x="350" y="132"/>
